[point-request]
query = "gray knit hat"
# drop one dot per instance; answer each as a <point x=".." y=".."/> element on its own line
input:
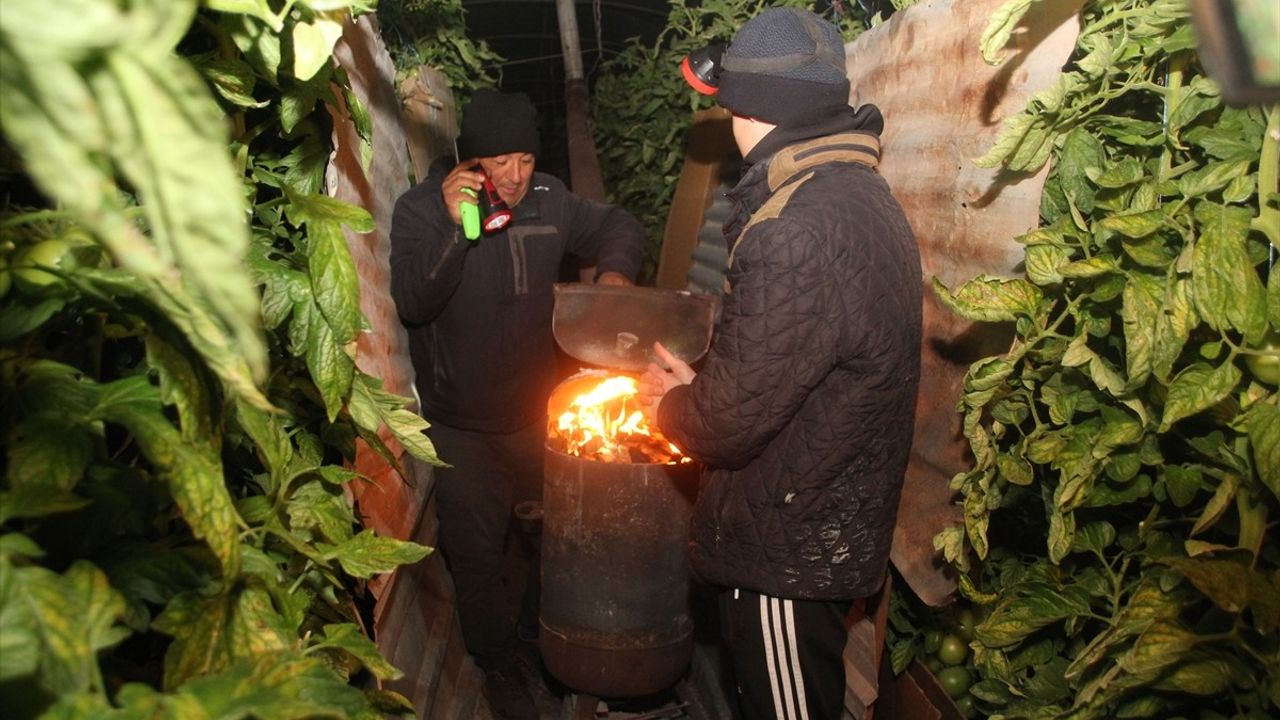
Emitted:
<point x="783" y="63"/>
<point x="497" y="123"/>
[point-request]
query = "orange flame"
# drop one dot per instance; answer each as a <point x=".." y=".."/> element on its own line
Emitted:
<point x="606" y="424"/>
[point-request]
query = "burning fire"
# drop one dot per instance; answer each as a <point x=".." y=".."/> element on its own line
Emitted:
<point x="605" y="424"/>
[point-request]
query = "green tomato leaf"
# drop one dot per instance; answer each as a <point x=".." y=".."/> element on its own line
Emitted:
<point x="193" y="468"/>
<point x="74" y="615"/>
<point x="36" y="501"/>
<point x="1029" y="607"/>
<point x="259" y="9"/>
<point x="275" y="685"/>
<point x="183" y="384"/>
<point x="270" y="433"/>
<point x="1222" y="499"/>
<point x="1119" y="174"/>
<point x="1197" y="388"/>
<point x="232" y="78"/>
<point x="330" y="364"/>
<point x="991" y="299"/>
<point x="367" y="554"/>
<point x="316" y="505"/>
<point x="1263" y="423"/>
<point x="372" y="407"/>
<point x="19" y="632"/>
<point x="1211" y="178"/>
<point x="48" y="450"/>
<point x="211" y="633"/>
<point x="1198" y="675"/>
<point x="1273" y="300"/>
<point x="1091" y="267"/>
<point x="1161" y="645"/>
<point x="1141" y="313"/>
<point x="313" y="43"/>
<point x="1042" y="263"/>
<point x="1000" y="27"/>
<point x="348" y="637"/>
<point x="1182" y="483"/>
<point x="1173" y="326"/>
<point x="1227" y="291"/>
<point x="1136" y="224"/>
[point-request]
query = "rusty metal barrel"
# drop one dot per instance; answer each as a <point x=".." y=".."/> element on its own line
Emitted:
<point x="615" y="616"/>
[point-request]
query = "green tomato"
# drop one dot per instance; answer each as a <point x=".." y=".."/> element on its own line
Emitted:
<point x="953" y="650"/>
<point x="934" y="664"/>
<point x="965" y="621"/>
<point x="964" y="704"/>
<point x="1266" y="368"/>
<point x="46" y="253"/>
<point x="955" y="680"/>
<point x="932" y="641"/>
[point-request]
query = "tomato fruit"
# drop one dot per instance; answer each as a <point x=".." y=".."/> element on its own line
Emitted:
<point x="1266" y="368"/>
<point x="953" y="650"/>
<point x="46" y="253"/>
<point x="932" y="641"/>
<point x="934" y="664"/>
<point x="955" y="680"/>
<point x="964" y="704"/>
<point x="965" y="621"/>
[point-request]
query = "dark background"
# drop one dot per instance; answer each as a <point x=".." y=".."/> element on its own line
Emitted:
<point x="527" y="34"/>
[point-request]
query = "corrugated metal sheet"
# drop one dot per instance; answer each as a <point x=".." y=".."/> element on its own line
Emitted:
<point x="415" y="625"/>
<point x="944" y="106"/>
<point x="710" y="255"/>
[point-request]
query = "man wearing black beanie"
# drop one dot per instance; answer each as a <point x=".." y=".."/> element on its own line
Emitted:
<point x="802" y="413"/>
<point x="478" y="316"/>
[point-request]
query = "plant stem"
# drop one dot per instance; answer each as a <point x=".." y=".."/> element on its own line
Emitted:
<point x="1268" y="220"/>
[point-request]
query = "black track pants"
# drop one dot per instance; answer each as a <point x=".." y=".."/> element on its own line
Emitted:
<point x="787" y="655"/>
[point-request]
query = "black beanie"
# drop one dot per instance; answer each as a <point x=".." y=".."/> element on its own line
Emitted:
<point x="783" y="63"/>
<point x="496" y="123"/>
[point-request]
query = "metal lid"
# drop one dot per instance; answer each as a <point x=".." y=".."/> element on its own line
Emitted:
<point x="615" y="326"/>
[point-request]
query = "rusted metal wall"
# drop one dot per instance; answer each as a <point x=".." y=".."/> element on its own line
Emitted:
<point x="414" y="620"/>
<point x="944" y="107"/>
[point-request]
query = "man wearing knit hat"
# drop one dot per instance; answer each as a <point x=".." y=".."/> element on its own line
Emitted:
<point x="802" y="412"/>
<point x="478" y="316"/>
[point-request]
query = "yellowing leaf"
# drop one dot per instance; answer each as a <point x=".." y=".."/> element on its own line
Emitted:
<point x="313" y="43"/>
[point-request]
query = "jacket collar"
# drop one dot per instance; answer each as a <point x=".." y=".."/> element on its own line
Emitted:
<point x="839" y="135"/>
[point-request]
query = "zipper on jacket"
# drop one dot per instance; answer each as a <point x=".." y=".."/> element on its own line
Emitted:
<point x="448" y="251"/>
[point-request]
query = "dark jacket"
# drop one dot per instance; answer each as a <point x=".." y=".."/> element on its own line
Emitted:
<point x="803" y="411"/>
<point x="478" y="314"/>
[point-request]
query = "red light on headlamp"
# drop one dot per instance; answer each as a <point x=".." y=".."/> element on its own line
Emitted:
<point x="701" y="68"/>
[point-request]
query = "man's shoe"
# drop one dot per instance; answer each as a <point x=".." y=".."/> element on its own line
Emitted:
<point x="508" y="695"/>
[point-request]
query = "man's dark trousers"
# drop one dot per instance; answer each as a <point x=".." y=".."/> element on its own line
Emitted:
<point x="490" y="473"/>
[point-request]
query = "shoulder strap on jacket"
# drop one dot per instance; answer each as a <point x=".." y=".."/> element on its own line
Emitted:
<point x="771" y="208"/>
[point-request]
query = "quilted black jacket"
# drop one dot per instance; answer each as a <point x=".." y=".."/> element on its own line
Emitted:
<point x="802" y="414"/>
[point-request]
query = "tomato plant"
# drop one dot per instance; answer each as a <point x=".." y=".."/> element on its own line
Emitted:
<point x="180" y="401"/>
<point x="1120" y="426"/>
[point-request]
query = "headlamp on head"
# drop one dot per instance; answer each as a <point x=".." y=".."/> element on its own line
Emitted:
<point x="701" y="68"/>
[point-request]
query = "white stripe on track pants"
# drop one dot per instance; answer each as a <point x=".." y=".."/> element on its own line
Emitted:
<point x="787" y="655"/>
